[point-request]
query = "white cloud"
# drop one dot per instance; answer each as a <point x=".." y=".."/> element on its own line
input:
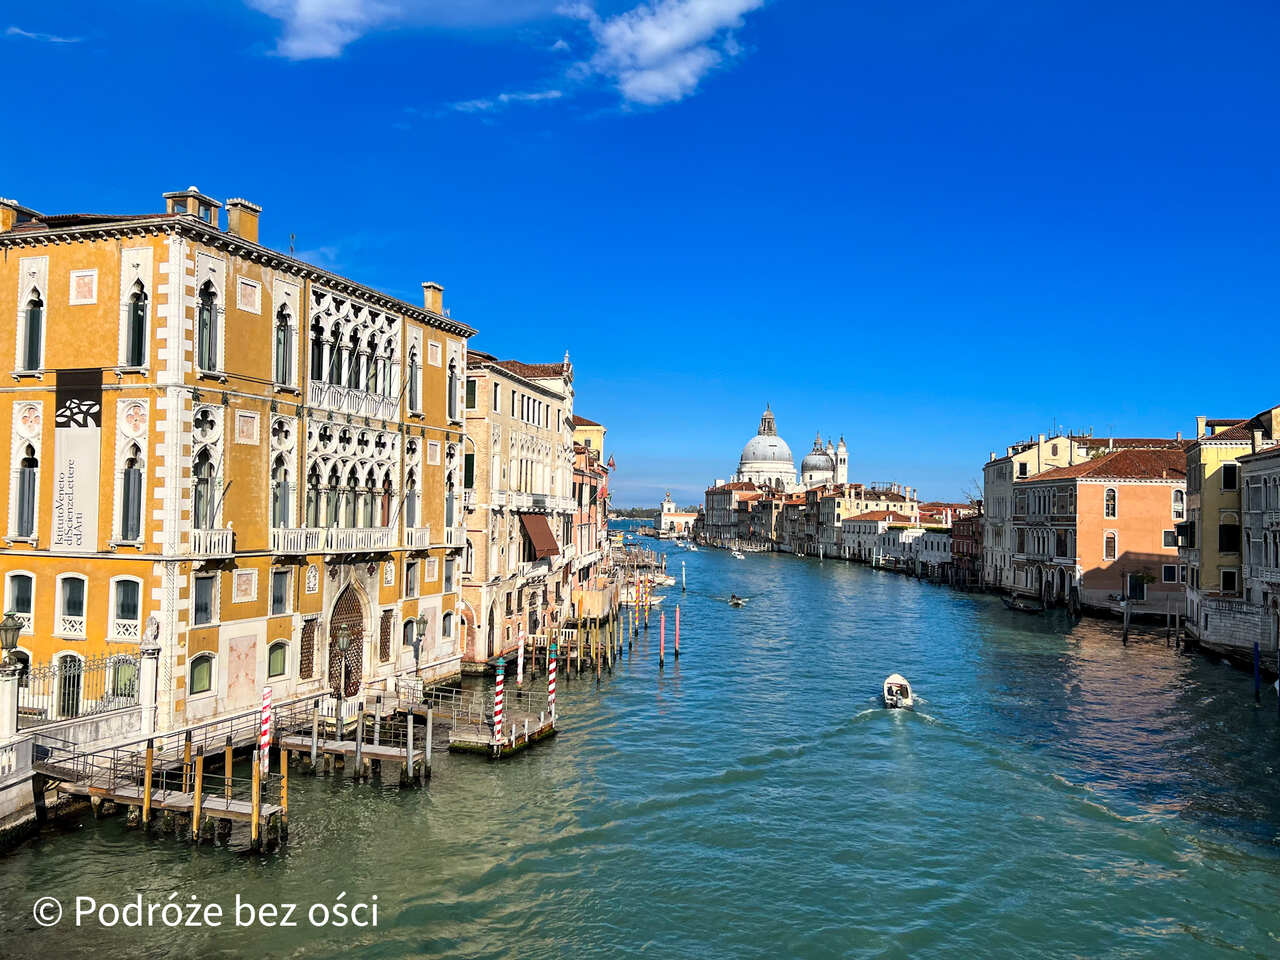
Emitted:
<point x="42" y="37"/>
<point x="503" y="100"/>
<point x="323" y="28"/>
<point x="659" y="51"/>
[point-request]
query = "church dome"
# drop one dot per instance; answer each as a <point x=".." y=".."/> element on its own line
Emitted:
<point x="817" y="461"/>
<point x="766" y="449"/>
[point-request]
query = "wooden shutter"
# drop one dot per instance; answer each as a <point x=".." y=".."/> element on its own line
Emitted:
<point x="384" y="637"/>
<point x="307" y="651"/>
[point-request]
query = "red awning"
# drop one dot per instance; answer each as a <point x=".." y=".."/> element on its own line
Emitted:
<point x="539" y="531"/>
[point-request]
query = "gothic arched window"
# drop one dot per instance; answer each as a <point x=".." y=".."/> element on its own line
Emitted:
<point x="207" y="329"/>
<point x="135" y="333"/>
<point x="202" y="504"/>
<point x="284" y="348"/>
<point x="28" y="471"/>
<point x="33" y="333"/>
<point x="131" y="496"/>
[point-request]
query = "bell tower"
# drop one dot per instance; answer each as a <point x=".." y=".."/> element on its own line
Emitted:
<point x="842" y="461"/>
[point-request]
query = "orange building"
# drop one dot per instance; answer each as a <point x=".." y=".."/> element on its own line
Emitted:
<point x="227" y="450"/>
<point x="1101" y="532"/>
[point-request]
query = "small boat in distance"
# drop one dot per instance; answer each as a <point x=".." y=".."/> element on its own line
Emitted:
<point x="693" y="548"/>
<point x="1022" y="605"/>
<point x="738" y="556"/>
<point x="737" y="601"/>
<point x="897" y="693"/>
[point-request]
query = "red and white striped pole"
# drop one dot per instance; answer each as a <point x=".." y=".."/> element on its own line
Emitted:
<point x="264" y="740"/>
<point x="662" y="638"/>
<point x="677" y="631"/>
<point x="551" y="681"/>
<point x="497" y="700"/>
<point x="520" y="660"/>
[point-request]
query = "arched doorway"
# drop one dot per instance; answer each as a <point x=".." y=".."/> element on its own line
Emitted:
<point x="493" y="617"/>
<point x="347" y="612"/>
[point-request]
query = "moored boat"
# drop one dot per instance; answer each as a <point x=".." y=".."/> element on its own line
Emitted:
<point x="897" y="693"/>
<point x="738" y="556"/>
<point x="1022" y="605"/>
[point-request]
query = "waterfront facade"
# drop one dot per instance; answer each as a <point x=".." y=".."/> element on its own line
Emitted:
<point x="1212" y="547"/>
<point x="228" y="452"/>
<point x="1260" y="479"/>
<point x="521" y="509"/>
<point x="672" y="520"/>
<point x="1102" y="533"/>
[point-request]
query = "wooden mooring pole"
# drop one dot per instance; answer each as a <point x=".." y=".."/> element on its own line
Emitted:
<point x="186" y="763"/>
<point x="226" y="770"/>
<point x="146" y="783"/>
<point x="284" y="794"/>
<point x="315" y="731"/>
<point x="195" y="803"/>
<point x="255" y="813"/>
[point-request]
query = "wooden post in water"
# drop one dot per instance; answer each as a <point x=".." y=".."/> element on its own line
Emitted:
<point x="359" y="772"/>
<point x="1168" y="618"/>
<point x="1124" y="637"/>
<point x="408" y="744"/>
<point x="186" y="763"/>
<point x="684" y="587"/>
<point x="677" y="631"/>
<point x="1257" y="673"/>
<point x="146" y="783"/>
<point x="426" y="760"/>
<point x="195" y="803"/>
<point x="255" y="811"/>
<point x="662" y="638"/>
<point x="226" y="769"/>
<point x="315" y="731"/>
<point x="377" y="720"/>
<point x="284" y="795"/>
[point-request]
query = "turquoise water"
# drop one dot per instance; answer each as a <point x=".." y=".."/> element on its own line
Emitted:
<point x="1057" y="794"/>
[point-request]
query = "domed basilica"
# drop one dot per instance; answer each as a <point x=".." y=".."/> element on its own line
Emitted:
<point x="766" y="461"/>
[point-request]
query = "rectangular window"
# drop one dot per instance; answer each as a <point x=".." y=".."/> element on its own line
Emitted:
<point x="433" y="569"/>
<point x="433" y="452"/>
<point x="469" y="471"/>
<point x="127" y="601"/>
<point x="1230" y="581"/>
<point x="1170" y="571"/>
<point x="279" y="592"/>
<point x="1228" y="538"/>
<point x="433" y="353"/>
<point x="497" y="397"/>
<point x="471" y="393"/>
<point x="1231" y="476"/>
<point x="411" y="578"/>
<point x="1170" y="538"/>
<point x="202" y="606"/>
<point x="448" y="574"/>
<point x="1137" y="587"/>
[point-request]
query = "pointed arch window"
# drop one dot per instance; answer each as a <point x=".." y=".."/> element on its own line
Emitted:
<point x="411" y="500"/>
<point x="28" y="486"/>
<point x="202" y="502"/>
<point x="353" y="361"/>
<point x="313" y="497"/>
<point x="33" y="332"/>
<point x="284" y="348"/>
<point x="367" y="496"/>
<point x="413" y="379"/>
<point x="453" y="390"/>
<point x="131" y="496"/>
<point x="335" y="356"/>
<point x="385" y="501"/>
<point x="352" y="491"/>
<point x="317" y="350"/>
<point x="386" y="371"/>
<point x="280" y="493"/>
<point x="335" y="493"/>
<point x="207" y="329"/>
<point x="135" y="333"/>
<point x="374" y="363"/>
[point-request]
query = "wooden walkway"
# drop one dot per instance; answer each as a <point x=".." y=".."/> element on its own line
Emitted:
<point x="212" y="805"/>
<point x="347" y="748"/>
<point x="479" y="738"/>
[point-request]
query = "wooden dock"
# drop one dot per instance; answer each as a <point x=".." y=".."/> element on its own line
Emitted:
<point x="175" y="801"/>
<point x="479" y="738"/>
<point x="369" y="752"/>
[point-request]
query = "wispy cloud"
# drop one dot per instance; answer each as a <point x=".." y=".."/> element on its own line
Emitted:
<point x="659" y="51"/>
<point x="319" y="29"/>
<point x="42" y="37"/>
<point x="504" y="100"/>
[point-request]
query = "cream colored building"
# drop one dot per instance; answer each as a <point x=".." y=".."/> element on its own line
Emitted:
<point x="518" y="482"/>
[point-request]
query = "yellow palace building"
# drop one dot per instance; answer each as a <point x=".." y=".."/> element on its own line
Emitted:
<point x="219" y="448"/>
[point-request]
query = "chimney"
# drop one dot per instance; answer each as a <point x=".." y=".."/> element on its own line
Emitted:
<point x="242" y="219"/>
<point x="993" y="456"/>
<point x="1200" y="427"/>
<point x="433" y="298"/>
<point x="1042" y="438"/>
<point x="1178" y="436"/>
<point x="1257" y="440"/>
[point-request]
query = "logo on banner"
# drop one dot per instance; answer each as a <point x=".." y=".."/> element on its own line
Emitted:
<point x="76" y="451"/>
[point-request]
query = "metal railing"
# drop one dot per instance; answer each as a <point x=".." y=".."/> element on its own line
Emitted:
<point x="72" y="686"/>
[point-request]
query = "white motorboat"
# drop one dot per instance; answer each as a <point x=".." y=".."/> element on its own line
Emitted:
<point x="662" y="580"/>
<point x="738" y="556"/>
<point x="693" y="548"/>
<point x="897" y="693"/>
<point x="737" y="601"/>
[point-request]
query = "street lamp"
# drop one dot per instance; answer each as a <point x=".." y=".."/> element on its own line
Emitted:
<point x="419" y="637"/>
<point x="10" y="627"/>
<point x="342" y="637"/>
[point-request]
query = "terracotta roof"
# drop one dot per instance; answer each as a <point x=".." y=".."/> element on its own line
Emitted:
<point x="1133" y="443"/>
<point x="877" y="515"/>
<point x="1137" y="464"/>
<point x="1242" y="432"/>
<point x="531" y="371"/>
<point x="735" y="485"/>
<point x="84" y="219"/>
<point x="583" y="422"/>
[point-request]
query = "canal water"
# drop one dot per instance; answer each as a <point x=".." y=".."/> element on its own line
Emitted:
<point x="1057" y="794"/>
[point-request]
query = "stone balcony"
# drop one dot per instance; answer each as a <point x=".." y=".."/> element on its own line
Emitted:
<point x="340" y="399"/>
<point x="1265" y="574"/>
<point x="213" y="543"/>
<point x="297" y="540"/>
<point x="498" y="498"/>
<point x="359" y="539"/>
<point x="417" y="538"/>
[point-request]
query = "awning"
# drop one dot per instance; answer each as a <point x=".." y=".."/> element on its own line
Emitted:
<point x="539" y="531"/>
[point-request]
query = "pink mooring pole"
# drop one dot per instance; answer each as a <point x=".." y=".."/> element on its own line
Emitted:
<point x="662" y="638"/>
<point x="677" y="631"/>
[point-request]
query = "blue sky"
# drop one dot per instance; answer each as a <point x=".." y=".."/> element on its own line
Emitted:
<point x="933" y="227"/>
